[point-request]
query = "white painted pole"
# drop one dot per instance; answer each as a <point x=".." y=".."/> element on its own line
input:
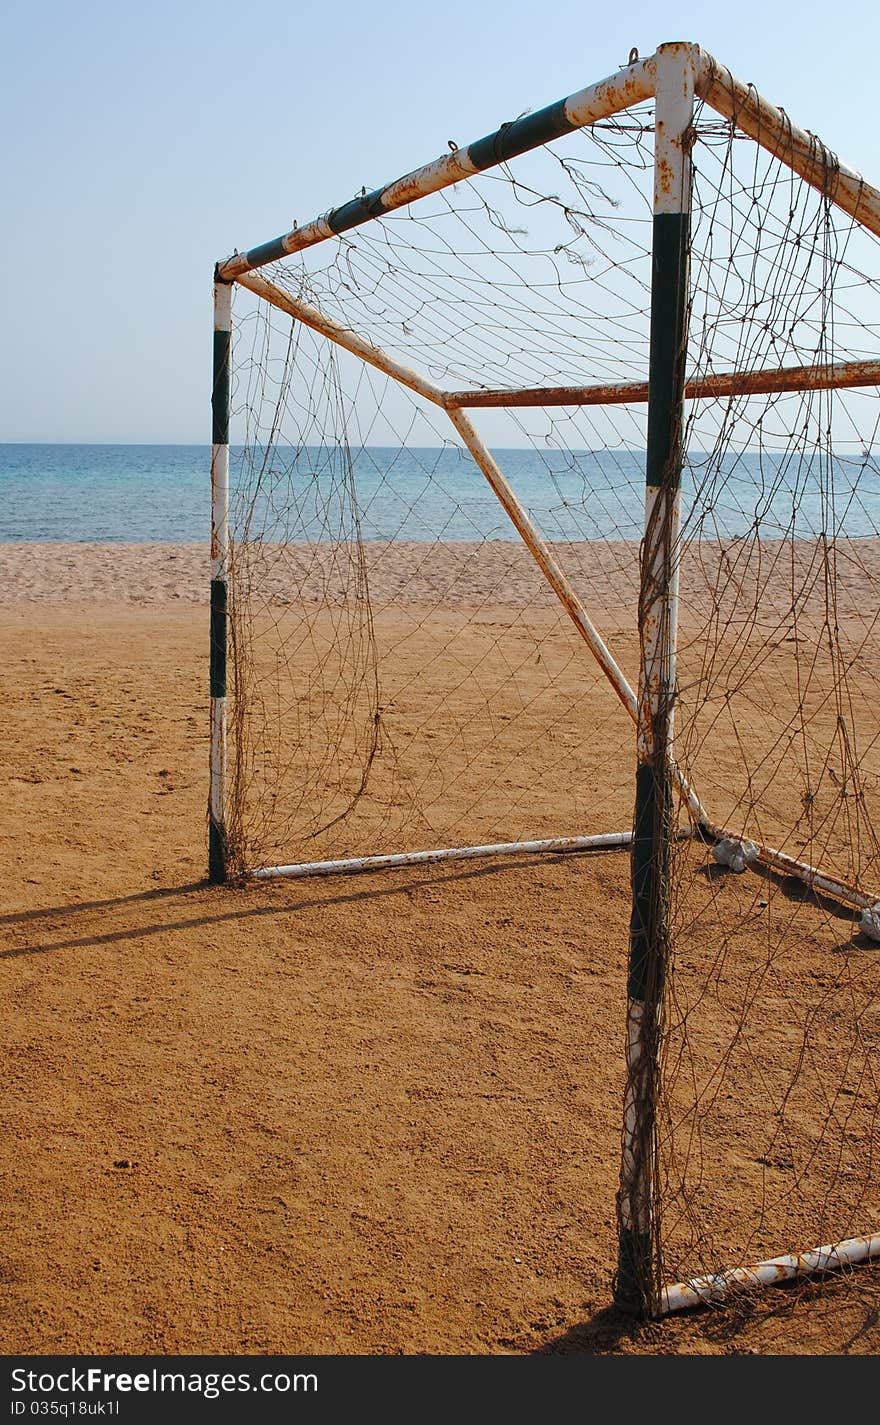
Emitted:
<point x="355" y="864"/>
<point x="217" y="846"/>
<point x="598" y="101"/>
<point x="801" y="151"/>
<point x="792" y="1267"/>
<point x="636" y="1285"/>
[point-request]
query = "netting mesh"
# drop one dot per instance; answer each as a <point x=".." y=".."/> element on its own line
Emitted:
<point x="420" y="623"/>
<point x="405" y="678"/>
<point x="768" y="1140"/>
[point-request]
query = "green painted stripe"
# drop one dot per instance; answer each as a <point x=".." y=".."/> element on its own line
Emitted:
<point x="520" y="136"/>
<point x="633" y="1284"/>
<point x="653" y="813"/>
<point x="216" y="853"/>
<point x="668" y="351"/>
<point x="508" y="141"/>
<point x="359" y="210"/>
<point x="649" y="862"/>
<point x="266" y="252"/>
<point x="218" y="638"/>
<point x="220" y="390"/>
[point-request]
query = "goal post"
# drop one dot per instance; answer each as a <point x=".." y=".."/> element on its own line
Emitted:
<point x="221" y="376"/>
<point x="701" y="299"/>
<point x="658" y="623"/>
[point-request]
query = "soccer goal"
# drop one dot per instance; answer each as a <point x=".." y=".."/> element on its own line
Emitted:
<point x="556" y="458"/>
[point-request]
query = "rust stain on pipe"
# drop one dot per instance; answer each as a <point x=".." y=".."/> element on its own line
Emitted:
<point x="588" y="106"/>
<point x="817" y="880"/>
<point x="798" y="149"/>
<point x="700" y="1291"/>
<point x="342" y="336"/>
<point x="843" y="375"/>
<point x="556" y="578"/>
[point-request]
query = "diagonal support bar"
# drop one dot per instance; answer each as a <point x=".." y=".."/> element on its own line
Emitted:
<point x="812" y="876"/>
<point x="375" y="356"/>
<point x="565" y="592"/>
<point x="558" y="580"/>
<point x="311" y="317"/>
<point x="555" y="576"/>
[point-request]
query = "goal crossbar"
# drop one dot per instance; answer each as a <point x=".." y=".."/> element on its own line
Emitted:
<point x="598" y="101"/>
<point x="735" y="100"/>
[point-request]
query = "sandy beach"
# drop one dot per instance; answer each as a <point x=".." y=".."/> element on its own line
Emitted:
<point x="462" y="575"/>
<point x="383" y="1114"/>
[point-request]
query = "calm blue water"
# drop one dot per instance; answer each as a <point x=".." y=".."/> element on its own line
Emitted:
<point x="147" y="493"/>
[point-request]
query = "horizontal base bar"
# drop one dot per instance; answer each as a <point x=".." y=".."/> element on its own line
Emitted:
<point x="356" y="864"/>
<point x="801" y="870"/>
<point x="792" y="1267"/>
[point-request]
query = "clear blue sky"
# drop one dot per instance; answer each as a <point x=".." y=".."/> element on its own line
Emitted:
<point x="143" y="142"/>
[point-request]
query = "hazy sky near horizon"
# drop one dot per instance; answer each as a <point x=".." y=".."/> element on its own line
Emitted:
<point x="143" y="143"/>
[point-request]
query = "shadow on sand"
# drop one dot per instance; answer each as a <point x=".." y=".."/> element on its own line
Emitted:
<point x="203" y="893"/>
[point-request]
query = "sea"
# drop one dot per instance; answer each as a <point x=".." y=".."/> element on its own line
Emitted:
<point x="161" y="493"/>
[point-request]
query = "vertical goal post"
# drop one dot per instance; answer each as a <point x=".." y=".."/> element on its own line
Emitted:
<point x="221" y="373"/>
<point x="675" y="78"/>
<point x="658" y="622"/>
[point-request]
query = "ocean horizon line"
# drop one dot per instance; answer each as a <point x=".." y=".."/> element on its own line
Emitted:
<point x="206" y="445"/>
<point x="113" y="493"/>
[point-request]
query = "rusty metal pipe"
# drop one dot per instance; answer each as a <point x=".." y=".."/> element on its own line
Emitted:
<point x="311" y="317"/>
<point x="737" y="101"/>
<point x="555" y="576"/>
<point x="563" y="588"/>
<point x="352" y="865"/>
<point x="843" y="375"/>
<point x="817" y="880"/>
<point x="803" y="152"/>
<point x="792" y="1267"/>
<point x="598" y="101"/>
